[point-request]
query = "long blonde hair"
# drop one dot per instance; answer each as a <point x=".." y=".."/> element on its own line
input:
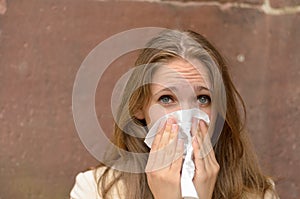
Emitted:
<point x="239" y="169"/>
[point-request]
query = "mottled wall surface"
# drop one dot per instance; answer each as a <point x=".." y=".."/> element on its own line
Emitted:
<point x="43" y="43"/>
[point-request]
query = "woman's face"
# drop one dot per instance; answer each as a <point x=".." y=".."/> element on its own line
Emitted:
<point x="177" y="85"/>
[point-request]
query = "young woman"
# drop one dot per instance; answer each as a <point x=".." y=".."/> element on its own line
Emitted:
<point x="178" y="70"/>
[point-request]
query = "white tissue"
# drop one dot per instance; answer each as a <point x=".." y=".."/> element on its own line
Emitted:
<point x="184" y="121"/>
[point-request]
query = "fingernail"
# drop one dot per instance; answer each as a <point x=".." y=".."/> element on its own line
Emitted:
<point x="169" y="121"/>
<point x="202" y="123"/>
<point x="161" y="124"/>
<point x="174" y="128"/>
<point x="194" y="139"/>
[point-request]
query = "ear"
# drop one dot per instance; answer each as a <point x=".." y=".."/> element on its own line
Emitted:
<point x="140" y="114"/>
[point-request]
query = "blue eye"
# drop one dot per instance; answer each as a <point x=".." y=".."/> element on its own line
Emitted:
<point x="204" y="100"/>
<point x="165" y="99"/>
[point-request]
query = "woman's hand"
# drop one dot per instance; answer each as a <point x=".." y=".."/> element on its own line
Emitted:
<point x="206" y="165"/>
<point x="164" y="163"/>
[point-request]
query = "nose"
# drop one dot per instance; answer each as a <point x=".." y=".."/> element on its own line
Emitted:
<point x="188" y="102"/>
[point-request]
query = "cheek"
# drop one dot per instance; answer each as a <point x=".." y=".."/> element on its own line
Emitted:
<point x="207" y="111"/>
<point x="156" y="111"/>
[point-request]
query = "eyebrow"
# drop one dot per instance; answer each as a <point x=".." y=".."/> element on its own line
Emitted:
<point x="199" y="88"/>
<point x="173" y="88"/>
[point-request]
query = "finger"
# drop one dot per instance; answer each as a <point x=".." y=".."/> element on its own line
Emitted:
<point x="166" y="134"/>
<point x="174" y="132"/>
<point x="199" y="162"/>
<point x="156" y="141"/>
<point x="194" y="126"/>
<point x="153" y="160"/>
<point x="165" y="151"/>
<point x="209" y="164"/>
<point x="205" y="144"/>
<point x="174" y="142"/>
<point x="178" y="157"/>
<point x="169" y="151"/>
<point x="213" y="166"/>
<point x="213" y="157"/>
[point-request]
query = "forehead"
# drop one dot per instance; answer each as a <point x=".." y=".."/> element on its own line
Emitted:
<point x="180" y="73"/>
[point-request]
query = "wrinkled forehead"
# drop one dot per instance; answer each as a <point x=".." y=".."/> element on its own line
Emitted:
<point x="180" y="73"/>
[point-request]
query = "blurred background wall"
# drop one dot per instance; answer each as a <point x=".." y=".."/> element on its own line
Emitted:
<point x="43" y="43"/>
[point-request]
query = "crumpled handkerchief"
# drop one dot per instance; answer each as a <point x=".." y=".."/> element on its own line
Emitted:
<point x="184" y="121"/>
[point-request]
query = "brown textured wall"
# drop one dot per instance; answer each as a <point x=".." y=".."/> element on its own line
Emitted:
<point x="43" y="42"/>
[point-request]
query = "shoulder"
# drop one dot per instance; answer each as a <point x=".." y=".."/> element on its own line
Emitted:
<point x="86" y="185"/>
<point x="271" y="193"/>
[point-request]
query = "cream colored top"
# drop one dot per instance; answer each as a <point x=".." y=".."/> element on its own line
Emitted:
<point x="86" y="187"/>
